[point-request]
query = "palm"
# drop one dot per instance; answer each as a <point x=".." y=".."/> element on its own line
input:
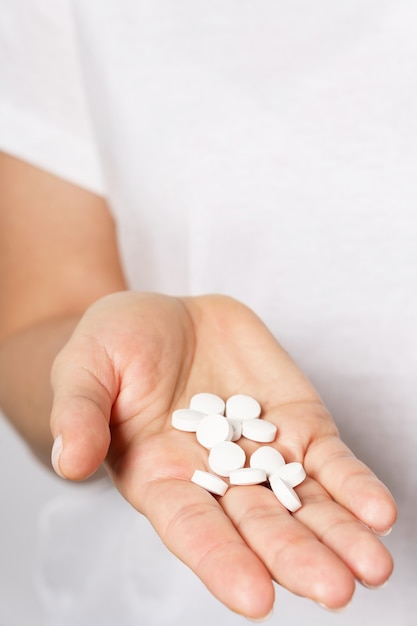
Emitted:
<point x="162" y="351"/>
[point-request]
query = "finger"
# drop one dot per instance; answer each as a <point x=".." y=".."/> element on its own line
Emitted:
<point x="367" y="558"/>
<point x="194" y="527"/>
<point x="84" y="386"/>
<point x="349" y="481"/>
<point x="291" y="552"/>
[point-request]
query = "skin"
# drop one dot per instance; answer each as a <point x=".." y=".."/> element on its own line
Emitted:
<point x="121" y="361"/>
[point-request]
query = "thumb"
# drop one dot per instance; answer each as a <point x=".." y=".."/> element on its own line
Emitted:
<point x="84" y="389"/>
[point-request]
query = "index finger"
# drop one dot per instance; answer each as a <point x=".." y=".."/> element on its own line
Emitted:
<point x="193" y="525"/>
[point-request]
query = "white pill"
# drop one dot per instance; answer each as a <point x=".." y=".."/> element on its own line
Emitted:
<point x="213" y="429"/>
<point x="187" y="419"/>
<point x="237" y="429"/>
<point x="210" y="482"/>
<point x="285" y="494"/>
<point x="247" y="476"/>
<point x="226" y="457"/>
<point x="208" y="403"/>
<point x="292" y="474"/>
<point x="267" y="458"/>
<point x="242" y="407"/>
<point x="259" y="430"/>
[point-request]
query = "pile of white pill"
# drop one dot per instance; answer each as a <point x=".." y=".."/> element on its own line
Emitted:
<point x="218" y="426"/>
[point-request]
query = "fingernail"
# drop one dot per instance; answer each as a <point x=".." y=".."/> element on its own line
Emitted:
<point x="259" y="620"/>
<point x="382" y="533"/>
<point x="337" y="610"/>
<point x="368" y="586"/>
<point x="56" y="454"/>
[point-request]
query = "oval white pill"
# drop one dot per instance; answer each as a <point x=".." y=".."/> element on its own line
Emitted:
<point x="210" y="482"/>
<point x="292" y="474"/>
<point x="213" y="429"/>
<point x="237" y="428"/>
<point x="242" y="407"/>
<point x="285" y="494"/>
<point x="247" y="476"/>
<point x="267" y="458"/>
<point x="259" y="430"/>
<point x="208" y="403"/>
<point x="186" y="419"/>
<point x="226" y="457"/>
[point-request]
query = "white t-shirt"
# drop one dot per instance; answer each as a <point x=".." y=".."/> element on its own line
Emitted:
<point x="262" y="149"/>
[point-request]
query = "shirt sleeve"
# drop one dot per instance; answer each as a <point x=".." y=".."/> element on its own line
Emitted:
<point x="44" y="113"/>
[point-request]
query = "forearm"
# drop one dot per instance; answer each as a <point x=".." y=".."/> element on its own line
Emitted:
<point x="58" y="254"/>
<point x="25" y="392"/>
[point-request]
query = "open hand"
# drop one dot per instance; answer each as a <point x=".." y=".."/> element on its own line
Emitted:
<point x="132" y="360"/>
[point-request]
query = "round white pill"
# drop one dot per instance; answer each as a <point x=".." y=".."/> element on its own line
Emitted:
<point x="210" y="482"/>
<point x="285" y="494"/>
<point x="292" y="474"/>
<point x="208" y="403"/>
<point x="226" y="457"/>
<point x="242" y="407"/>
<point x="213" y="429"/>
<point x="237" y="428"/>
<point x="186" y="419"/>
<point x="267" y="458"/>
<point x="247" y="476"/>
<point x="259" y="430"/>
